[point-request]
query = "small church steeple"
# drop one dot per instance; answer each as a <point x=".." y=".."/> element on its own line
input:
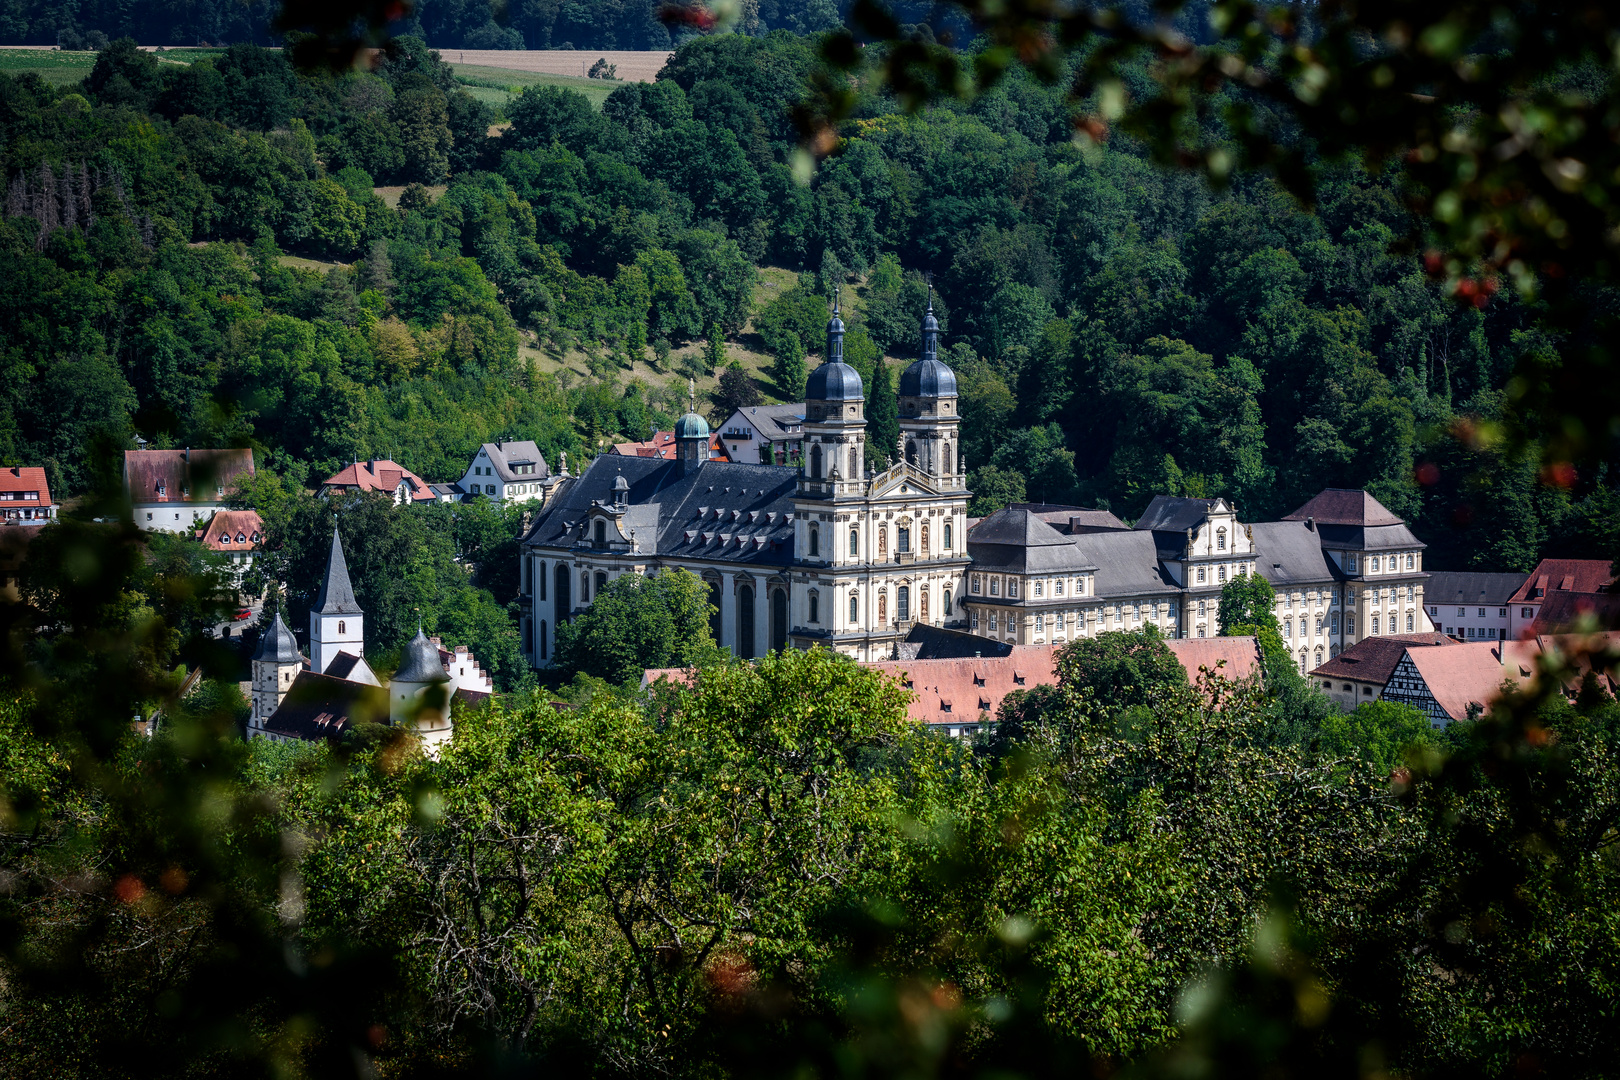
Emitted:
<point x="336" y="623"/>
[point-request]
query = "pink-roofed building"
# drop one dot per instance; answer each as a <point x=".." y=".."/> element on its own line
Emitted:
<point x="1549" y="578"/>
<point x="25" y="496"/>
<point x="179" y="490"/>
<point x="383" y="475"/>
<point x="236" y="534"/>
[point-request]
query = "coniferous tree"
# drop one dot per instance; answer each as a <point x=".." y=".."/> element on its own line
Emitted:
<point x="882" y="417"/>
<point x="788" y="371"/>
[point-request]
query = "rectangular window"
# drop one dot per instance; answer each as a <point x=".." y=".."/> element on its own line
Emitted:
<point x="995" y="586"/>
<point x="1462" y="613"/>
<point x="1040" y="624"/>
<point x="1058" y="587"/>
<point x="1501" y="613"/>
<point x="975" y="584"/>
<point x="903" y="541"/>
<point x="1038" y="585"/>
<point x="1012" y="586"/>
<point x="1482" y="613"/>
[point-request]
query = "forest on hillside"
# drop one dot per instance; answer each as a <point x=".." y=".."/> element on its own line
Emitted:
<point x="1120" y="330"/>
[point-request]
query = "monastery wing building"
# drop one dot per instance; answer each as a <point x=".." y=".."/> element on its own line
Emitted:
<point x="827" y="553"/>
<point x="1343" y="566"/>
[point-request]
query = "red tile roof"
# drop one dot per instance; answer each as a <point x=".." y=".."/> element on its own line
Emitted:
<point x="1468" y="673"/>
<point x="1563" y="610"/>
<point x="234" y="530"/>
<point x="1564" y="575"/>
<point x="662" y="445"/>
<point x="183" y="476"/>
<point x="1519" y="659"/>
<point x="1374" y="659"/>
<point x="1344" y="506"/>
<point x="969" y="690"/>
<point x="19" y="480"/>
<point x="380" y="474"/>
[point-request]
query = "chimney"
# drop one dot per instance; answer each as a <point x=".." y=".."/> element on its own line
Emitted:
<point x="1310" y="524"/>
<point x="188" y="455"/>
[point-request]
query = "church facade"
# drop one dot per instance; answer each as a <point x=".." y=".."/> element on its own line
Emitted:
<point x="827" y="552"/>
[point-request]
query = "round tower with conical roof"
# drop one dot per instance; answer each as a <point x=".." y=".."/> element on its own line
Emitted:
<point x="928" y="410"/>
<point x="419" y="694"/>
<point x="276" y="663"/>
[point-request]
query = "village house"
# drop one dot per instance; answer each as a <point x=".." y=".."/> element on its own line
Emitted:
<point x="1471" y="606"/>
<point x="1361" y="672"/>
<point x="381" y="475"/>
<point x="1551" y="577"/>
<point x="25" y="496"/>
<point x="768" y="434"/>
<point x="236" y="534"/>
<point x="504" y="472"/>
<point x="179" y="490"/>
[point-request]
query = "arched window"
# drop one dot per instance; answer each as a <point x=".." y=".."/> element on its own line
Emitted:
<point x="601" y="533"/>
<point x="854" y="544"/>
<point x="854" y="608"/>
<point x="542" y="639"/>
<point x="947" y="536"/>
<point x="715" y="598"/>
<point x="902" y="603"/>
<point x="853" y="474"/>
<point x="815" y="606"/>
<point x="883" y="608"/>
<point x="1409" y="623"/>
<point x="540" y="578"/>
<point x="883" y="542"/>
<point x="945" y="462"/>
<point x="1409" y="563"/>
<point x="1220" y="539"/>
<point x="745" y="622"/>
<point x="815" y="542"/>
<point x="343" y="627"/>
<point x="563" y="603"/>
<point x="925" y="540"/>
<point x="911" y="452"/>
<point x="815" y="462"/>
<point x="945" y="603"/>
<point x="601" y="580"/>
<point x="1288" y="628"/>
<point x="779" y="619"/>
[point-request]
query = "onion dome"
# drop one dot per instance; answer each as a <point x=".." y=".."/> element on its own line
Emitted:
<point x="929" y="377"/>
<point x="420" y="663"/>
<point x="691" y="426"/>
<point x="277" y="644"/>
<point x="834" y="382"/>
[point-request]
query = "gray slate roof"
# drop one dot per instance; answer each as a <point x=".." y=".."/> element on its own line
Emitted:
<point x="834" y="382"/>
<point x="1453" y="587"/>
<point x="277" y="644"/>
<point x="524" y="452"/>
<point x="720" y="510"/>
<point x="774" y="423"/>
<point x="1018" y="541"/>
<point x="419" y="662"/>
<point x="337" y="594"/>
<point x="1127" y="563"/>
<point x="1172" y="513"/>
<point x="1287" y="553"/>
<point x="1345" y="506"/>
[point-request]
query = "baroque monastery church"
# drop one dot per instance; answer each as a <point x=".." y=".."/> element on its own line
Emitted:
<point x="831" y="553"/>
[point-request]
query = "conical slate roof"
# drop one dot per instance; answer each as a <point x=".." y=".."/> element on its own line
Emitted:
<point x="419" y="662"/>
<point x="277" y="644"/>
<point x="337" y="594"/>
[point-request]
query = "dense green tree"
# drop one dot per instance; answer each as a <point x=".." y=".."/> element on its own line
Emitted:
<point x="1248" y="602"/>
<point x="636" y="622"/>
<point x="733" y="390"/>
<point x="995" y="488"/>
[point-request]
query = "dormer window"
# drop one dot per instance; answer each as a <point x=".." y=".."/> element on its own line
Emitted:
<point x="1220" y="539"/>
<point x="601" y="533"/>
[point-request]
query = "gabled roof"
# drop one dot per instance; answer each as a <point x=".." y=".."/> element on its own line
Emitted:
<point x="1562" y="611"/>
<point x="183" y="476"/>
<point x="1454" y="587"/>
<point x="1466" y="674"/>
<point x="1344" y="506"/>
<point x="322" y="707"/>
<point x="337" y="594"/>
<point x="937" y="643"/>
<point x="718" y="510"/>
<point x="1228" y="657"/>
<point x="380" y="474"/>
<point x="1173" y="513"/>
<point x="1373" y="660"/>
<point x="233" y="530"/>
<point x="1564" y="575"/>
<point x="525" y="452"/>
<point x="774" y="423"/>
<point x="26" y="478"/>
<point x="346" y="665"/>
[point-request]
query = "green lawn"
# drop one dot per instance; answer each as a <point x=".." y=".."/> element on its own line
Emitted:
<point x="56" y="68"/>
<point x="596" y="90"/>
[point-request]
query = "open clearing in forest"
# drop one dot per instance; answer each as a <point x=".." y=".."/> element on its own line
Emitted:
<point x="631" y="66"/>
